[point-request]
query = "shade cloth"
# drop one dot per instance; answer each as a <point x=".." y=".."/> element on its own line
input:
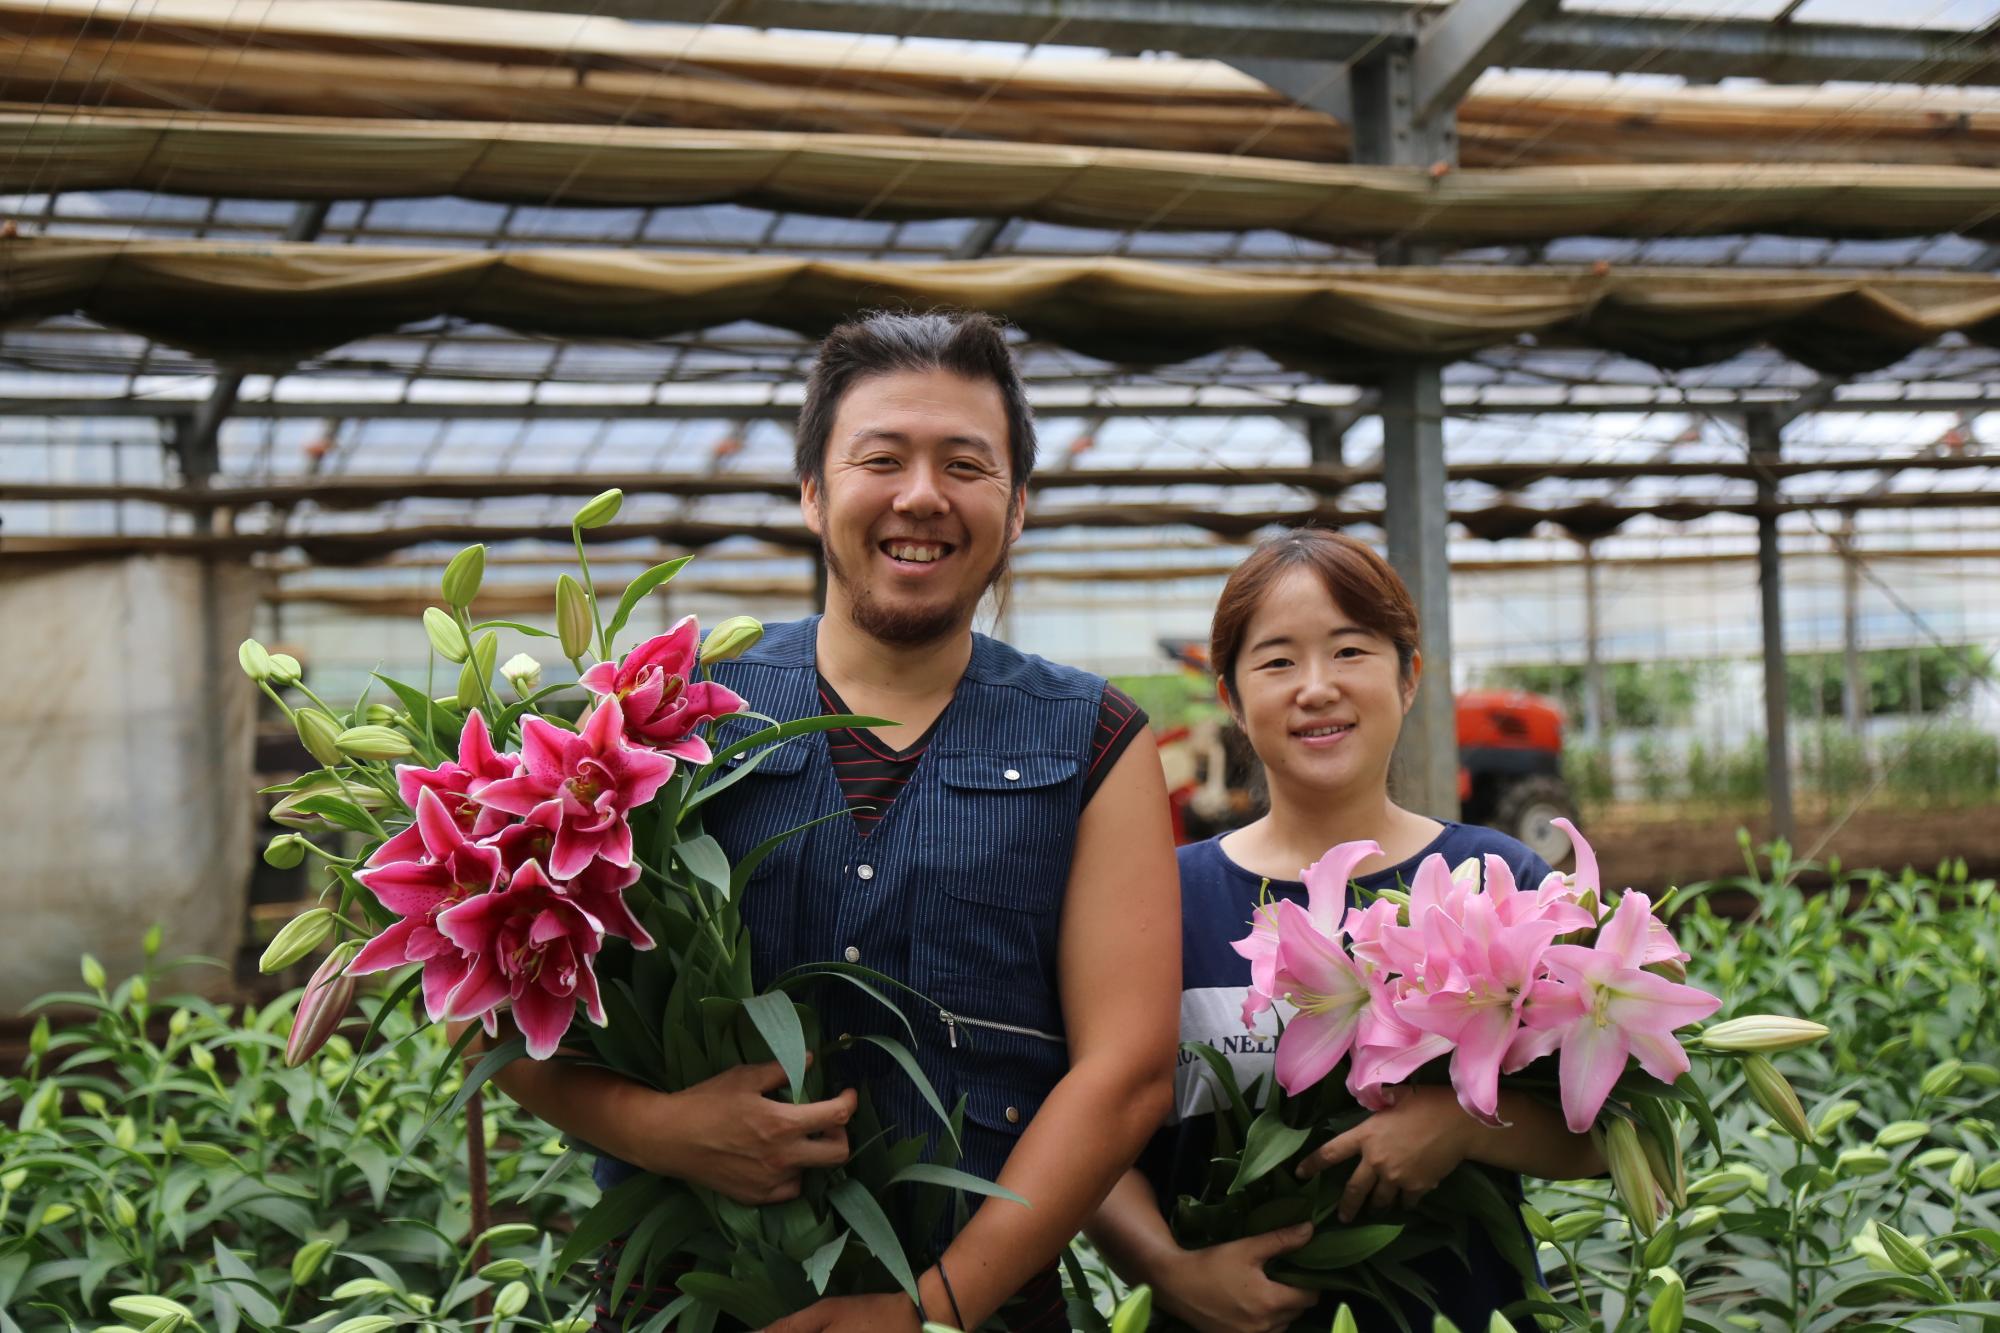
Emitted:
<point x="270" y="304"/>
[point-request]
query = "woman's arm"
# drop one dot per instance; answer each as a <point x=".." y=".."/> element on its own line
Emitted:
<point x="1221" y="1289"/>
<point x="1406" y="1150"/>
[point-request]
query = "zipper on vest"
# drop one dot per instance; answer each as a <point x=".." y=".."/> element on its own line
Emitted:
<point x="952" y="1022"/>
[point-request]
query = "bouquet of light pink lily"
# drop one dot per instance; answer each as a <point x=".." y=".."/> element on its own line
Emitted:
<point x="551" y="865"/>
<point x="1555" y="989"/>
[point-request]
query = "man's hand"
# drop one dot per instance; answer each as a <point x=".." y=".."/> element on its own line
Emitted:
<point x="853" y="1314"/>
<point x="1223" y="1289"/>
<point x="1404" y="1151"/>
<point x="726" y="1134"/>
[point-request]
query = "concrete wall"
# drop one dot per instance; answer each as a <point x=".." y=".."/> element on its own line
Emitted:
<point x="126" y="747"/>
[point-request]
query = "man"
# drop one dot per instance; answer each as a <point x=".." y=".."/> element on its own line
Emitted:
<point x="1008" y="853"/>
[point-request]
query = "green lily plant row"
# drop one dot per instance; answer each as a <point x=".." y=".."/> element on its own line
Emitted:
<point x="161" y="1168"/>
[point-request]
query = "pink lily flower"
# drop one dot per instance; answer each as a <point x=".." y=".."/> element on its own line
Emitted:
<point x="451" y="869"/>
<point x="1492" y="967"/>
<point x="1414" y="949"/>
<point x="598" y="889"/>
<point x="594" y="779"/>
<point x="1315" y="973"/>
<point x="1326" y="882"/>
<point x="664" y="708"/>
<point x="478" y="766"/>
<point x="1605" y="1009"/>
<point x="532" y="945"/>
<point x="1550" y="901"/>
<point x="1661" y="946"/>
<point x="1387" y="1049"/>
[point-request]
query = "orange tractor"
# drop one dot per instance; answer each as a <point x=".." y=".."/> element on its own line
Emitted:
<point x="1509" y="767"/>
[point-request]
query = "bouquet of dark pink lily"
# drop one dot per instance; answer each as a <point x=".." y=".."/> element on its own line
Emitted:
<point x="1553" y="989"/>
<point x="555" y="866"/>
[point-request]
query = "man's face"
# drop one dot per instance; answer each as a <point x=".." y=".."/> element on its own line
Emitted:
<point x="918" y="507"/>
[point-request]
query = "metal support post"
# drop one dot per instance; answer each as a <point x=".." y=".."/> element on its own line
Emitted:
<point x="1388" y="131"/>
<point x="1593" y="664"/>
<point x="1762" y="429"/>
<point x="1853" y="686"/>
<point x="1425" y="772"/>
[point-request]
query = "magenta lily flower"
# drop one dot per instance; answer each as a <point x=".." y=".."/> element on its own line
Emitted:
<point x="532" y="945"/>
<point x="664" y="707"/>
<point x="594" y="780"/>
<point x="451" y="869"/>
<point x="1605" y="1009"/>
<point x="1492" y="968"/>
<point x="598" y="889"/>
<point x="1315" y="973"/>
<point x="458" y="781"/>
<point x="1326" y="882"/>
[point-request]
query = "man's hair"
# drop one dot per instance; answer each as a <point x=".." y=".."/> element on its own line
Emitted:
<point x="884" y="342"/>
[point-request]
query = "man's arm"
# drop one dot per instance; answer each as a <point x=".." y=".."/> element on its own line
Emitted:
<point x="1119" y="968"/>
<point x="724" y="1133"/>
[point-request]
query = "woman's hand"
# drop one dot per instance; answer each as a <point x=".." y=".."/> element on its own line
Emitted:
<point x="1403" y="1151"/>
<point x="728" y="1134"/>
<point x="1223" y="1289"/>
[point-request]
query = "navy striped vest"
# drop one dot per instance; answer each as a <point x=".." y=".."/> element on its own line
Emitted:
<point x="956" y="892"/>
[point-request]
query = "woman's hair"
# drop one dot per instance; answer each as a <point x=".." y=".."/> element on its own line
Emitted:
<point x="1364" y="585"/>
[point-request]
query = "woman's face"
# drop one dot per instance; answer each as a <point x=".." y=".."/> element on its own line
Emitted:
<point x="1321" y="698"/>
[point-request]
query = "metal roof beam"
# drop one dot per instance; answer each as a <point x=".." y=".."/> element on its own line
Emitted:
<point x="1471" y="36"/>
<point x="1792" y="52"/>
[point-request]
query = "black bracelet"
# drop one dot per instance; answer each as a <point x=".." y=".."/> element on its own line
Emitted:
<point x="957" y="1319"/>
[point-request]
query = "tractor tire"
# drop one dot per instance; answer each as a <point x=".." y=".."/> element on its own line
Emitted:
<point x="1524" y="811"/>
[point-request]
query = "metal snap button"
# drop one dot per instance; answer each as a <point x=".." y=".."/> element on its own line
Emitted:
<point x="1012" y="775"/>
<point x="853" y="955"/>
<point x="1013" y="1115"/>
<point x="866" y="872"/>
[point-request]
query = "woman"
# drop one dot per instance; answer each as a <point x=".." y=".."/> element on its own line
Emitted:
<point x="1314" y="649"/>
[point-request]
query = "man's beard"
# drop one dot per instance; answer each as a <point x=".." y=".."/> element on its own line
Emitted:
<point x="908" y="627"/>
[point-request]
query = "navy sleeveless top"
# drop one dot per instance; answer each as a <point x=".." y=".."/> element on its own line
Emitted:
<point x="956" y="891"/>
<point x="1218" y="898"/>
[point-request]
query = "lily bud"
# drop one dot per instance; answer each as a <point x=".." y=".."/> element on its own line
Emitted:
<point x="500" y="1270"/>
<point x="295" y="939"/>
<point x="601" y="509"/>
<point x="306" y="1263"/>
<point x="1670" y="1171"/>
<point x="1774" y="1093"/>
<point x="256" y="663"/>
<point x="209" y="1155"/>
<point x="140" y="992"/>
<point x="380" y="715"/>
<point x="572" y="617"/>
<point x="1903" y="1252"/>
<point x="1764" y="1033"/>
<point x="1135" y="1313"/>
<point x="285" y="669"/>
<point x="1898" y="1132"/>
<point x="366" y="1323"/>
<point x="1835" y="1114"/>
<point x="286" y="811"/>
<point x="93" y="973"/>
<point x="1343" y="1320"/>
<point x="732" y="638"/>
<point x="523" y="672"/>
<point x="170" y="1135"/>
<point x="285" y="851"/>
<point x="38" y="1038"/>
<point x="1631" y="1174"/>
<point x="321" y="735"/>
<point x="447" y="639"/>
<point x="123" y="1213"/>
<point x="1855" y="1162"/>
<point x="155" y="935"/>
<point x="510" y="1233"/>
<point x="1673" y="969"/>
<point x="327" y="998"/>
<point x="513" y="1299"/>
<point x="1942" y="1078"/>
<point x="478" y="670"/>
<point x="463" y="575"/>
<point x="375" y="743"/>
<point x="1964" y="1173"/>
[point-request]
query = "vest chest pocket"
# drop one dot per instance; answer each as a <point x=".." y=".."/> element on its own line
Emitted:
<point x="1006" y="829"/>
